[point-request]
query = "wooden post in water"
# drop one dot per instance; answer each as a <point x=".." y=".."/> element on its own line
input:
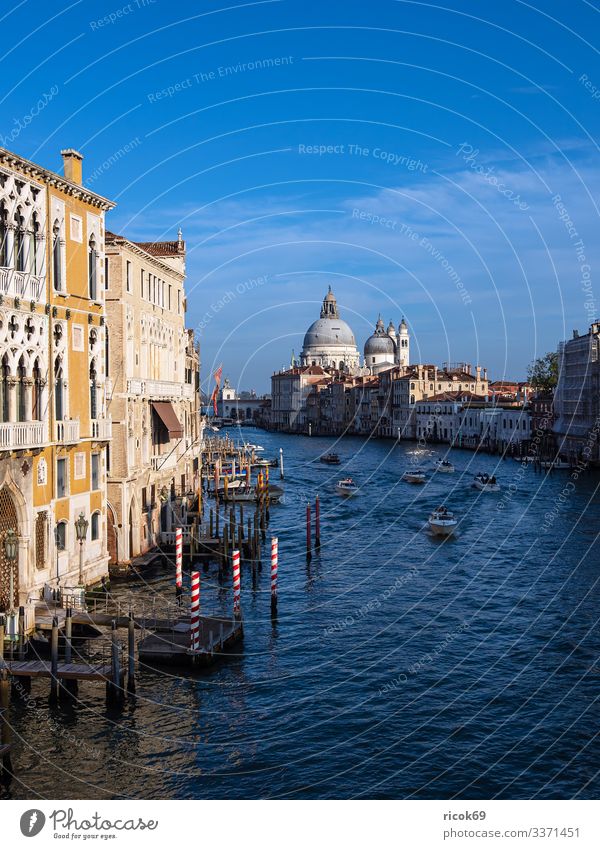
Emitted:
<point x="4" y="720"/>
<point x="2" y="638"/>
<point x="54" y="660"/>
<point x="267" y="495"/>
<point x="317" y="523"/>
<point x="68" y="635"/>
<point x="281" y="463"/>
<point x="21" y="633"/>
<point x="242" y="521"/>
<point x="116" y="690"/>
<point x="211" y="524"/>
<point x="131" y="653"/>
<point x="308" y="545"/>
<point x="274" y="566"/>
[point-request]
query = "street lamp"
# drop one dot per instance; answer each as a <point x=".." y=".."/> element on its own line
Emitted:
<point x="11" y="546"/>
<point x="81" y="526"/>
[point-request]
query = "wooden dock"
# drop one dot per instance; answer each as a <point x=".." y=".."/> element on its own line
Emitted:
<point x="172" y="647"/>
<point x="66" y="671"/>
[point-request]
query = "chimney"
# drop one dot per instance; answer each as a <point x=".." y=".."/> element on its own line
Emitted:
<point x="72" y="165"/>
<point x="485" y="374"/>
<point x="478" y="373"/>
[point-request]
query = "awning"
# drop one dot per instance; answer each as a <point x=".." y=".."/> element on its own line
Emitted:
<point x="164" y="410"/>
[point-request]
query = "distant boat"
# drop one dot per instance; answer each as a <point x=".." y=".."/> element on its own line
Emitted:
<point x="330" y="459"/>
<point x="486" y="483"/>
<point x="347" y="487"/>
<point x="416" y="476"/>
<point x="442" y="522"/>
<point x="557" y="463"/>
<point x="213" y="427"/>
<point x="443" y="466"/>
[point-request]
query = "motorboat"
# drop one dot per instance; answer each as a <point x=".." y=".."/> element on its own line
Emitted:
<point x="443" y="466"/>
<point x="414" y="476"/>
<point x="330" y="459"/>
<point x="557" y="463"/>
<point x="347" y="487"/>
<point x="442" y="522"/>
<point x="486" y="483"/>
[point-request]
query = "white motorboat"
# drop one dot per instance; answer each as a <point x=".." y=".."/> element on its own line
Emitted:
<point x="251" y="447"/>
<point x="414" y="476"/>
<point x="557" y="463"/>
<point x="486" y="483"/>
<point x="347" y="487"/>
<point x="442" y="522"/>
<point x="443" y="466"/>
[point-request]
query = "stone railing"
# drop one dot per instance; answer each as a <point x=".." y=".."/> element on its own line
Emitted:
<point x="102" y="429"/>
<point x="17" y="435"/>
<point x="67" y="432"/>
<point x="21" y="284"/>
<point x="158" y="388"/>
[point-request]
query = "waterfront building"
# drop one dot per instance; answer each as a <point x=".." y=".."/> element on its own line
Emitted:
<point x="387" y="348"/>
<point x="290" y="389"/>
<point x="243" y="406"/>
<point x="55" y="424"/>
<point x="577" y="396"/>
<point x="329" y="341"/>
<point x="153" y="368"/>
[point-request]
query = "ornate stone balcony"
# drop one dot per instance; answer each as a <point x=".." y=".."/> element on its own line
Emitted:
<point x="102" y="429"/>
<point x="21" y="284"/>
<point x="156" y="388"/>
<point x="67" y="432"/>
<point x="15" y="436"/>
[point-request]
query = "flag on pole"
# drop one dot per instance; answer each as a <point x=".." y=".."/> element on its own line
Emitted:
<point x="213" y="398"/>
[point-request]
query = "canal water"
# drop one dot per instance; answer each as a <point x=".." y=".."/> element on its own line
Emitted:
<point x="400" y="666"/>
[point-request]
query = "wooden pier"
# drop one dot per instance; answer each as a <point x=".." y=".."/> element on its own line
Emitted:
<point x="172" y="647"/>
<point x="66" y="671"/>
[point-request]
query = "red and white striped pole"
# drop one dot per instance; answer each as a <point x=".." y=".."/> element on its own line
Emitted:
<point x="274" y="564"/>
<point x="236" y="583"/>
<point x="178" y="558"/>
<point x="195" y="613"/>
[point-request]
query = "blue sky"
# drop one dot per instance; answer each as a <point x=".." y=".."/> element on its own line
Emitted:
<point x="432" y="161"/>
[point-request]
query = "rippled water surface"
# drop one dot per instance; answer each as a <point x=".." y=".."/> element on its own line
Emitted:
<point x="399" y="666"/>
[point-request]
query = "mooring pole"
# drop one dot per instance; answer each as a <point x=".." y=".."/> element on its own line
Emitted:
<point x="274" y="566"/>
<point x="281" y="463"/>
<point x="54" y="660"/>
<point x="4" y="721"/>
<point x="317" y="523"/>
<point x="68" y="633"/>
<point x="131" y="653"/>
<point x="21" y="633"/>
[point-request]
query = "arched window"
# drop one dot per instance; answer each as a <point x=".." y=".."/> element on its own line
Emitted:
<point x="61" y="536"/>
<point x="59" y="391"/>
<point x="56" y="257"/>
<point x="33" y="236"/>
<point x="95" y="526"/>
<point x="4" y="406"/>
<point x="93" y="270"/>
<point x="3" y="236"/>
<point x="36" y="401"/>
<point x="21" y="390"/>
<point x="93" y="391"/>
<point x="19" y="241"/>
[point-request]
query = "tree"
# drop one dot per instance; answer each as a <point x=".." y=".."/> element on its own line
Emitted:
<point x="542" y="373"/>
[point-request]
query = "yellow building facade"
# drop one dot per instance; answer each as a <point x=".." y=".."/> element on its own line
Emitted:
<point x="54" y="422"/>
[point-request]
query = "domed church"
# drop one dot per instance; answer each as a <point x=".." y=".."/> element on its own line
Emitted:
<point x="329" y="342"/>
<point x="386" y="348"/>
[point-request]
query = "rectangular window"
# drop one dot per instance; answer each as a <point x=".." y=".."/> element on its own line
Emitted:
<point x="142" y="283"/>
<point x="61" y="477"/>
<point x="92" y="273"/>
<point x="170" y="287"/>
<point x="144" y="498"/>
<point x="153" y="495"/>
<point x="106" y="282"/>
<point x="95" y="471"/>
<point x="128" y="276"/>
<point x="79" y="468"/>
<point x="179" y="302"/>
<point x="95" y="529"/>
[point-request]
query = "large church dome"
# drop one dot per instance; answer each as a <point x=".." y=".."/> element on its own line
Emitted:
<point x="329" y="341"/>
<point x="328" y="331"/>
